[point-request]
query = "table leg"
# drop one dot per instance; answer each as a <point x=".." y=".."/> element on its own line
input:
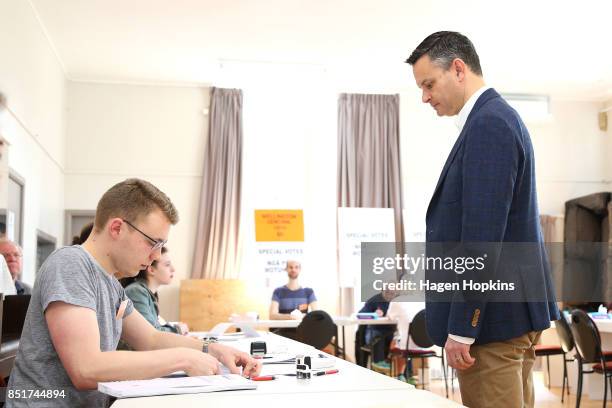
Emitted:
<point x="343" y="344"/>
<point x="337" y="348"/>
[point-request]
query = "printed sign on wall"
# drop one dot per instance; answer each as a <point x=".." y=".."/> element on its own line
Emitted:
<point x="357" y="225"/>
<point x="279" y="236"/>
<point x="279" y="225"/>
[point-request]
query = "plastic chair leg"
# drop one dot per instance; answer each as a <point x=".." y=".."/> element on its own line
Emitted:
<point x="444" y="371"/>
<point x="579" y="390"/>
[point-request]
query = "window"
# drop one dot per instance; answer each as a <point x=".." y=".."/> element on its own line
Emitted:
<point x="532" y="108"/>
<point x="14" y="219"/>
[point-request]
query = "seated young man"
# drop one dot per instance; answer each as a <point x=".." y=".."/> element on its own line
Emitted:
<point x="292" y="301"/>
<point x="79" y="311"/>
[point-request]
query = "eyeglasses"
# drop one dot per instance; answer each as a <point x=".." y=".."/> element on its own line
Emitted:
<point x="157" y="244"/>
<point x="12" y="254"/>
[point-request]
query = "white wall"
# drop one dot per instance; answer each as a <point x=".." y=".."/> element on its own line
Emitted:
<point x="101" y="134"/>
<point x="572" y="155"/>
<point x="426" y="141"/>
<point x="289" y="158"/>
<point x="152" y="132"/>
<point x="289" y="162"/>
<point x="33" y="81"/>
<point x="158" y="133"/>
<point x="608" y="149"/>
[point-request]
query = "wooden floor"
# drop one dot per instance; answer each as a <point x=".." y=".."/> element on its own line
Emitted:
<point x="545" y="398"/>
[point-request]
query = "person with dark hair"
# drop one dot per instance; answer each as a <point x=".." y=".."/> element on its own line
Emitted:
<point x="142" y="290"/>
<point x="486" y="193"/>
<point x="83" y="235"/>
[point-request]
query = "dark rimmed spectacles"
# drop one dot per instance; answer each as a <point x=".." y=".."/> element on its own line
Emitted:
<point x="155" y="243"/>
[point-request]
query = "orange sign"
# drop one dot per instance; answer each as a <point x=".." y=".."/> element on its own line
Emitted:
<point x="279" y="225"/>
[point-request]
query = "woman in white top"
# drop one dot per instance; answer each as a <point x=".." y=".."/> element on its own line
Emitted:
<point x="403" y="311"/>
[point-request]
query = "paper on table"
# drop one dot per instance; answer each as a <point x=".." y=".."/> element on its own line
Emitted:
<point x="219" y="329"/>
<point x="181" y="385"/>
<point x="222" y="370"/>
<point x="278" y="369"/>
<point x="248" y="329"/>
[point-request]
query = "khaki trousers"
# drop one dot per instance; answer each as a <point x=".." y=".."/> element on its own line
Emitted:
<point x="501" y="375"/>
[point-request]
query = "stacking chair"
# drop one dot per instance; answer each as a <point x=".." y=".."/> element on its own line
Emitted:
<point x="317" y="329"/>
<point x="417" y="331"/>
<point x="361" y="356"/>
<point x="367" y="350"/>
<point x="588" y="344"/>
<point x="547" y="350"/>
<point x="567" y="344"/>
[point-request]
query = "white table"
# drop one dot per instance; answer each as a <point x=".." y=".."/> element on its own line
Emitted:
<point x="353" y="386"/>
<point x="245" y="399"/>
<point x="604" y="326"/>
<point x="340" y="321"/>
<point x="592" y="384"/>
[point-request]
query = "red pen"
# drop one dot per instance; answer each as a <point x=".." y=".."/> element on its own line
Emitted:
<point x="326" y="372"/>
<point x="263" y="378"/>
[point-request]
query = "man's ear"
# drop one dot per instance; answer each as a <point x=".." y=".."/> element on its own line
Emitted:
<point x="114" y="227"/>
<point x="459" y="69"/>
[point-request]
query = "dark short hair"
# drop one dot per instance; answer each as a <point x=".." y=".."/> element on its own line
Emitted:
<point x="82" y="237"/>
<point x="443" y="47"/>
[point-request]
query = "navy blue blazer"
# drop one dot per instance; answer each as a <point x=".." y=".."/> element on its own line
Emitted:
<point x="487" y="193"/>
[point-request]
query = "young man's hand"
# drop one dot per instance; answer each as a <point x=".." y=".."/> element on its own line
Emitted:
<point x="199" y="363"/>
<point x="296" y="315"/>
<point x="233" y="359"/>
<point x="182" y="328"/>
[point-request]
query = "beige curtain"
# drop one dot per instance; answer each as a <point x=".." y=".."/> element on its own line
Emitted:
<point x="552" y="228"/>
<point x="552" y="231"/>
<point x="217" y="244"/>
<point x="369" y="171"/>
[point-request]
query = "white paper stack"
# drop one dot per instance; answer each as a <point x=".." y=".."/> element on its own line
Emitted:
<point x="180" y="385"/>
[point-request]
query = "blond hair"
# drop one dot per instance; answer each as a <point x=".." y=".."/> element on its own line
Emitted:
<point x="131" y="199"/>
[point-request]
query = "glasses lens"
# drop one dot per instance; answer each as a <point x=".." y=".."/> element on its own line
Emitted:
<point x="158" y="245"/>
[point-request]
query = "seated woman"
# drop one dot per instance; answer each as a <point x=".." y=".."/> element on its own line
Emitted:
<point x="83" y="235"/>
<point x="403" y="309"/>
<point x="142" y="290"/>
<point x="379" y="337"/>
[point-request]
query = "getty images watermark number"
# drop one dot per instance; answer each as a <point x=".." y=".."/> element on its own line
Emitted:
<point x="35" y="394"/>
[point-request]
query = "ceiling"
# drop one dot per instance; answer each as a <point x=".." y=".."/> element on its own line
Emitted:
<point x="534" y="46"/>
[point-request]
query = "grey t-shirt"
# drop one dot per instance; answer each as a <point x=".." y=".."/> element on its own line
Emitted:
<point x="69" y="275"/>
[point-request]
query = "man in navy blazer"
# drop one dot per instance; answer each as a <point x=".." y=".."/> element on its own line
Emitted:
<point x="486" y="193"/>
